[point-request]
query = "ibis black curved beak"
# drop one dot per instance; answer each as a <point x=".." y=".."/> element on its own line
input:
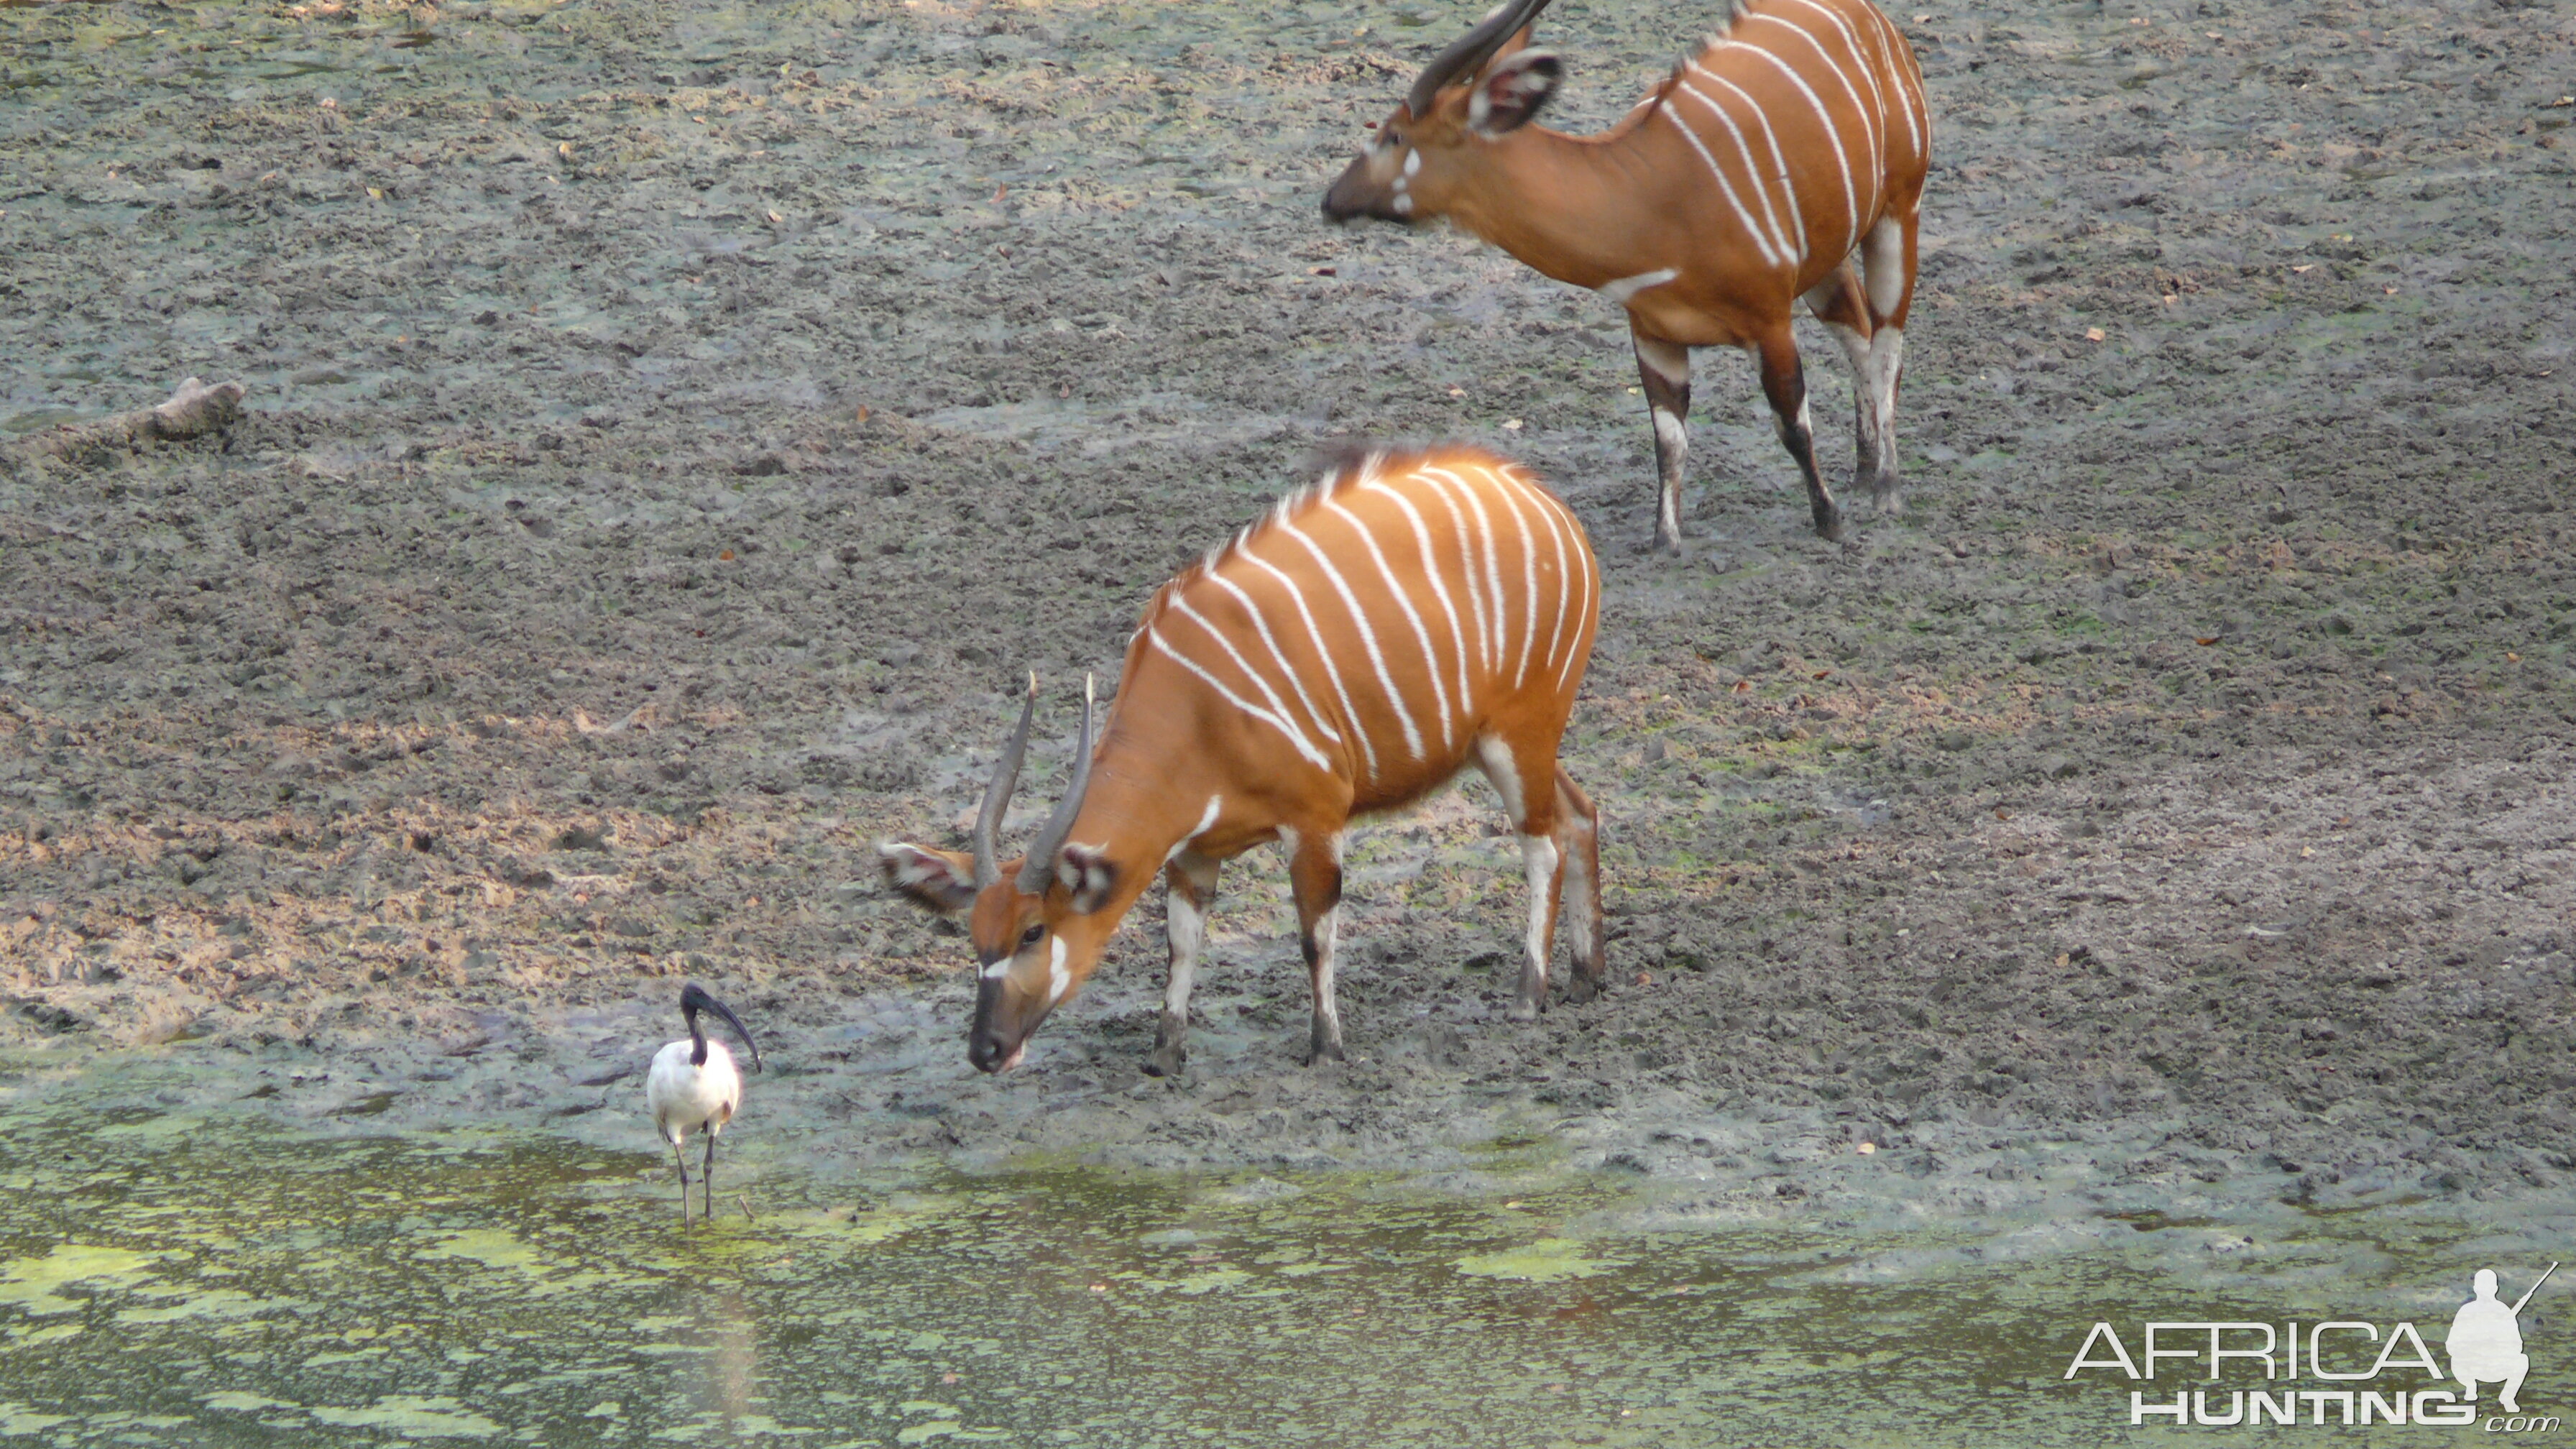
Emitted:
<point x="695" y="998"/>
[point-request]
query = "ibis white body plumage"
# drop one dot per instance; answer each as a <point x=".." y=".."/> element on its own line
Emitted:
<point x="685" y="1095"/>
<point x="694" y="1086"/>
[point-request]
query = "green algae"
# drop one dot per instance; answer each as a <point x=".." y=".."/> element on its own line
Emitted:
<point x="1545" y="1261"/>
<point x="248" y="1279"/>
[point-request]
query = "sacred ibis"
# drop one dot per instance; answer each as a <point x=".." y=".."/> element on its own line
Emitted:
<point x="693" y="1084"/>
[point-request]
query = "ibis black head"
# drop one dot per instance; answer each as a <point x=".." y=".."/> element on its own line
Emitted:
<point x="694" y="999"/>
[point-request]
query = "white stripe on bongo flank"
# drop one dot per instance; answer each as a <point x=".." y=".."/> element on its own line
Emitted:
<point x="1588" y="609"/>
<point x="1874" y="114"/>
<point x="1547" y="515"/>
<point x="1439" y="586"/>
<point x="1909" y="89"/>
<point x="1332" y="671"/>
<point x="1155" y="637"/>
<point x="1876" y="160"/>
<point x="1421" y="631"/>
<point x="1761" y="239"/>
<point x="1278" y="706"/>
<point x="1779" y="161"/>
<point x="1368" y="638"/>
<point x="1529" y="570"/>
<point x="1287" y="670"/>
<point x="1833" y="135"/>
<point x="1466" y="565"/>
<point x="1752" y="170"/>
<point x="1875" y="75"/>
<point x="1582" y="572"/>
<point x="1493" y="567"/>
<point x="1491" y="639"/>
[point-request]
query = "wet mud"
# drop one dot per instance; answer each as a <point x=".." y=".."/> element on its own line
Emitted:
<point x="672" y="431"/>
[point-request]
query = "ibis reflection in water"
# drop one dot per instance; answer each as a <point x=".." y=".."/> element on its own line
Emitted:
<point x="694" y="1085"/>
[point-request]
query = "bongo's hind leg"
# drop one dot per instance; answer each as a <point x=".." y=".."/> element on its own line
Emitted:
<point x="1578" y="841"/>
<point x="1526" y="785"/>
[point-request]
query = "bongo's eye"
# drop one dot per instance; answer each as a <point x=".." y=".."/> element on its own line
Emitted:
<point x="1033" y="935"/>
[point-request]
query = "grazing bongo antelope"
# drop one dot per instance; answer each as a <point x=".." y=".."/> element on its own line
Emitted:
<point x="1743" y="184"/>
<point x="1379" y="631"/>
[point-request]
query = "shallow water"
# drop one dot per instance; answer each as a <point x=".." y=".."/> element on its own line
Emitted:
<point x="178" y="1269"/>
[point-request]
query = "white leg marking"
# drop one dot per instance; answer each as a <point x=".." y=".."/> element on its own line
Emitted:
<point x="1882" y="260"/>
<point x="1671" y="363"/>
<point x="1579" y="888"/>
<point x="1806" y="421"/>
<point x="1855" y="347"/>
<point x="1886" y="361"/>
<point x="1188" y="929"/>
<point x="1328" y="935"/>
<point x="1404" y="601"/>
<point x="1626" y="287"/>
<point x="1496" y="758"/>
<point x="1672" y="433"/>
<point x="1538" y="862"/>
<point x="1675" y="438"/>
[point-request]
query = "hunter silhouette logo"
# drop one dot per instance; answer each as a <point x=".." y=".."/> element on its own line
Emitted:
<point x="2486" y="1340"/>
<point x="2331" y="1371"/>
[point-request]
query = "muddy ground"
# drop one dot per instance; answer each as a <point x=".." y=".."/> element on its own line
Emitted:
<point x="672" y="429"/>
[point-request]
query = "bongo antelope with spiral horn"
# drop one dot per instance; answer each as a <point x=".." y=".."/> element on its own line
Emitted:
<point x="1796" y="136"/>
<point x="1378" y="632"/>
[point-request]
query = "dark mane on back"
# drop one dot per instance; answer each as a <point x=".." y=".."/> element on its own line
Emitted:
<point x="1336" y="466"/>
<point x="1654" y="101"/>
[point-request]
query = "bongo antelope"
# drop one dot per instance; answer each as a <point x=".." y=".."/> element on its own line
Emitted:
<point x="1744" y="184"/>
<point x="1379" y="631"/>
<point x="694" y="1084"/>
